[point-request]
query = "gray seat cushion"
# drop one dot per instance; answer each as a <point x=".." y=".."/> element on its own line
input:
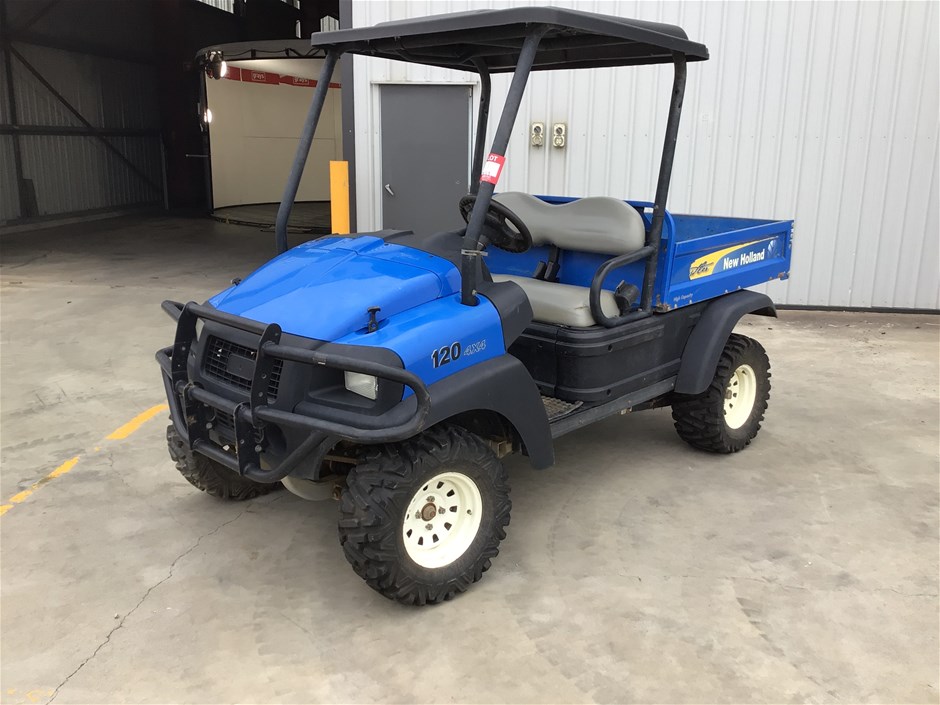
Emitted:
<point x="561" y="304"/>
<point x="595" y="224"/>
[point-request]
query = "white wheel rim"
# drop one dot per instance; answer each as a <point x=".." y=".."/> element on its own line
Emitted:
<point x="739" y="396"/>
<point x="442" y="520"/>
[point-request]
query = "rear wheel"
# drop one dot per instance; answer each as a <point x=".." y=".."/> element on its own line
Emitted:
<point x="212" y="477"/>
<point x="727" y="416"/>
<point x="422" y="520"/>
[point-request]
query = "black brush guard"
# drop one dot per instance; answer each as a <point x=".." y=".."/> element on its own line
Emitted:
<point x="189" y="402"/>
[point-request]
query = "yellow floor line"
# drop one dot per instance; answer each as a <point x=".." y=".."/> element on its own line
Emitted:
<point x="21" y="496"/>
<point x="116" y="435"/>
<point x="136" y="422"/>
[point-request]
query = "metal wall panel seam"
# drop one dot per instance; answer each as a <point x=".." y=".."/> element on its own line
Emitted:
<point x="696" y="118"/>
<point x="932" y="52"/>
<point x="716" y="120"/>
<point x="629" y="180"/>
<point x="762" y="102"/>
<point x="807" y="245"/>
<point x="739" y="111"/>
<point x="861" y="294"/>
<point x="869" y="134"/>
<point x="847" y="131"/>
<point x="926" y="28"/>
<point x="546" y="95"/>
<point x="932" y="228"/>
<point x="933" y="234"/>
<point x="609" y="155"/>
<point x="781" y="124"/>
<point x="824" y="146"/>
<point x="896" y="84"/>
<point x="592" y="101"/>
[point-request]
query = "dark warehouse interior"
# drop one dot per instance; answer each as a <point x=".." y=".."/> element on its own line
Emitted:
<point x="108" y="91"/>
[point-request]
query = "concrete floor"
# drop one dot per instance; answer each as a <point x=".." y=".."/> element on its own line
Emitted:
<point x="312" y="217"/>
<point x="803" y="569"/>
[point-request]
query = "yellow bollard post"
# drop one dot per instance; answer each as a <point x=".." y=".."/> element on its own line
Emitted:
<point x="339" y="197"/>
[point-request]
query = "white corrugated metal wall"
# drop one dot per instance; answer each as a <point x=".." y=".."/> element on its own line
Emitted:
<point x="823" y="112"/>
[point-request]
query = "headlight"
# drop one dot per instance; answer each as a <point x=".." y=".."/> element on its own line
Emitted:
<point x="364" y="385"/>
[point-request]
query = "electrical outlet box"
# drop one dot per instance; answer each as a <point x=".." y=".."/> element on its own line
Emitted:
<point x="537" y="134"/>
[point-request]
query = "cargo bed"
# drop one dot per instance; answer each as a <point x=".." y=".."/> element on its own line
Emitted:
<point x="701" y="257"/>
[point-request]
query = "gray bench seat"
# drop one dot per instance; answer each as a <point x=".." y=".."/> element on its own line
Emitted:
<point x="597" y="224"/>
<point x="561" y="304"/>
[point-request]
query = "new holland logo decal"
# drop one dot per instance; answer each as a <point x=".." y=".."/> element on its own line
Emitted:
<point x="732" y="258"/>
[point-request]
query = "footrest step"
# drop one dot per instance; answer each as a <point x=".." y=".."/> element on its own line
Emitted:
<point x="556" y="408"/>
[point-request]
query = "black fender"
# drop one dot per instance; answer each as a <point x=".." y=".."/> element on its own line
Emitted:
<point x="711" y="332"/>
<point x="503" y="385"/>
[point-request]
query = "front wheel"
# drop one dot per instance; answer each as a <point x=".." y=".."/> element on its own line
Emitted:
<point x="727" y="416"/>
<point x="422" y="520"/>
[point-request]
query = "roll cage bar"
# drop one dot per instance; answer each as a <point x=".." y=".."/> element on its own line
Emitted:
<point x="517" y="40"/>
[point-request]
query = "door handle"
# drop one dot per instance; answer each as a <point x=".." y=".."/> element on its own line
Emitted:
<point x="389" y="189"/>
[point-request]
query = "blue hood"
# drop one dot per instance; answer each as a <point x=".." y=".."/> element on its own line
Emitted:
<point x="322" y="289"/>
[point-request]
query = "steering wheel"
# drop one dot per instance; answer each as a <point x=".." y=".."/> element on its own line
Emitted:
<point x="501" y="226"/>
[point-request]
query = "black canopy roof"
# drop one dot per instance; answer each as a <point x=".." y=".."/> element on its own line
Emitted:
<point x="574" y="39"/>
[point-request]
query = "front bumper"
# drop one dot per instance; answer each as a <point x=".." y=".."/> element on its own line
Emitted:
<point x="192" y="406"/>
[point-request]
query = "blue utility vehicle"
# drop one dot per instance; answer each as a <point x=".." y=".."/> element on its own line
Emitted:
<point x="398" y="368"/>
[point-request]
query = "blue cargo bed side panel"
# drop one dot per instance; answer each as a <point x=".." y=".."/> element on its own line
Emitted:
<point x="715" y="256"/>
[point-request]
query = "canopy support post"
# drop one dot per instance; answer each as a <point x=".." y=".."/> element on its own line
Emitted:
<point x="665" y="176"/>
<point x="303" y="150"/>
<point x="470" y="269"/>
<point x="483" y="115"/>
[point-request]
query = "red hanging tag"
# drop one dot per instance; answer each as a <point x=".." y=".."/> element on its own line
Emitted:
<point x="492" y="168"/>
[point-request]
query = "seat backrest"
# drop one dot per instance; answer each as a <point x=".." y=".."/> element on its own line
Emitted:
<point x="595" y="224"/>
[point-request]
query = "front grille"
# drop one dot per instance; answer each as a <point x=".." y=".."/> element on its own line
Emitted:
<point x="219" y="362"/>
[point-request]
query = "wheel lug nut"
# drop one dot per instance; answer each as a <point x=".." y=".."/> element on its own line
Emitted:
<point x="441" y="510"/>
<point x="430" y="499"/>
<point x="429" y="526"/>
<point x="417" y="515"/>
